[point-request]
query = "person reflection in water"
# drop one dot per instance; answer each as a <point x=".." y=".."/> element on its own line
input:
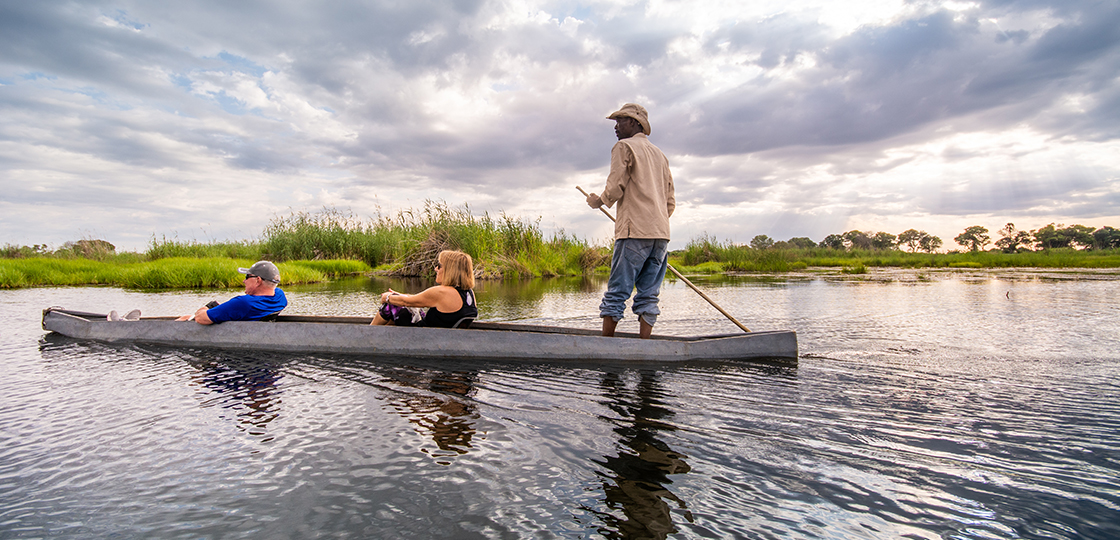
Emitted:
<point x="635" y="480"/>
<point x="448" y="420"/>
<point x="247" y="389"/>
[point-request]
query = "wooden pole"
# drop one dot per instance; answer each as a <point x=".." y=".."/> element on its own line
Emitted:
<point x="682" y="278"/>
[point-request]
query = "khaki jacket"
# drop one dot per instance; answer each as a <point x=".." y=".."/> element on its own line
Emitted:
<point x="641" y="184"/>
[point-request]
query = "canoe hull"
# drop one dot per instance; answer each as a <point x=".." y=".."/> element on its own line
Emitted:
<point x="353" y="335"/>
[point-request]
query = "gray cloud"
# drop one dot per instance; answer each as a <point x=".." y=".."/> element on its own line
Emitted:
<point x="347" y="101"/>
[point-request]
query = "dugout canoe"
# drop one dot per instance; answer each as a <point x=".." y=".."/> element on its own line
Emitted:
<point x="483" y="340"/>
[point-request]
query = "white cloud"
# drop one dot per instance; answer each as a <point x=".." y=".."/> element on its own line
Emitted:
<point x="785" y="118"/>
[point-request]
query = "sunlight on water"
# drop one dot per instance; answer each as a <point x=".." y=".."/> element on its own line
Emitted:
<point x="964" y="405"/>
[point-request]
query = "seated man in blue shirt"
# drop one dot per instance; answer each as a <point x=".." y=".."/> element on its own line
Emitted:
<point x="262" y="298"/>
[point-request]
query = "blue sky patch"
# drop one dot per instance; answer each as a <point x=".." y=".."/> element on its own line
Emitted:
<point x="242" y="64"/>
<point x="123" y="19"/>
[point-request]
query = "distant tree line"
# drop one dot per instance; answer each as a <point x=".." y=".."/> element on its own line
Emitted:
<point x="870" y="241"/>
<point x="975" y="238"/>
<point x="1052" y="236"/>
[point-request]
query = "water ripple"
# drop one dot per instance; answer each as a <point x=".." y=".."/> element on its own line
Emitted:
<point x="906" y="418"/>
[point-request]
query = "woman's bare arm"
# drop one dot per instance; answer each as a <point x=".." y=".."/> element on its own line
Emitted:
<point x="441" y="297"/>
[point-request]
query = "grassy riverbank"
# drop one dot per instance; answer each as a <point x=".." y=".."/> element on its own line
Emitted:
<point x="707" y="256"/>
<point x="173" y="272"/>
<point x="315" y="247"/>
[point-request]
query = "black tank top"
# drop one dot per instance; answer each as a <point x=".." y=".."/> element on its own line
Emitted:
<point x="439" y="319"/>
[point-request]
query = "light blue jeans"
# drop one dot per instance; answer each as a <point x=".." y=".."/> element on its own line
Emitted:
<point x="636" y="263"/>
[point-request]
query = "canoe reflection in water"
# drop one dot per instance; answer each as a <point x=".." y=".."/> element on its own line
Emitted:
<point x="245" y="387"/>
<point x="635" y="481"/>
<point x="248" y="388"/>
<point x="447" y="413"/>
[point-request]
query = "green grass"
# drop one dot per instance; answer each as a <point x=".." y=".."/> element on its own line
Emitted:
<point x="169" y="273"/>
<point x="311" y="247"/>
<point x="858" y="268"/>
<point x="705" y="252"/>
<point x="710" y="267"/>
<point x="331" y="267"/>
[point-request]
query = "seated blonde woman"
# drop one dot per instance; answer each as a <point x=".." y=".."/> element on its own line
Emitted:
<point x="447" y="303"/>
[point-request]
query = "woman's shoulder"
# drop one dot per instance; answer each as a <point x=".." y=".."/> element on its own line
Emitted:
<point x="442" y="291"/>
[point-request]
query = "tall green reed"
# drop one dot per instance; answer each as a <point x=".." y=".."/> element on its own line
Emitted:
<point x="165" y="249"/>
<point x="408" y="242"/>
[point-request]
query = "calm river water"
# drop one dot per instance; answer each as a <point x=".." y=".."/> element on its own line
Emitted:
<point x="924" y="405"/>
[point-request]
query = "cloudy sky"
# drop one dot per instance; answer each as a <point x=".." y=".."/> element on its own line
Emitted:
<point x="125" y="120"/>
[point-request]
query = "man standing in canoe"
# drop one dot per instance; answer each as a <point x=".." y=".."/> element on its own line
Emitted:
<point x="262" y="298"/>
<point x="641" y="184"/>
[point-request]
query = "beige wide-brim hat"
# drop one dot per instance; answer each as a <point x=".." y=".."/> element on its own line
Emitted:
<point x="635" y="111"/>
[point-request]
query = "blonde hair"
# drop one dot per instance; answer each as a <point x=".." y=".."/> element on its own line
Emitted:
<point x="458" y="269"/>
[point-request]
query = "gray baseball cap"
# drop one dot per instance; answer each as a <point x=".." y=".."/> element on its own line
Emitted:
<point x="264" y="270"/>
